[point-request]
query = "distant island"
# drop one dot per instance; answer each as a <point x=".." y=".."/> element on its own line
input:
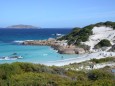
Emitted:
<point x="21" y="26"/>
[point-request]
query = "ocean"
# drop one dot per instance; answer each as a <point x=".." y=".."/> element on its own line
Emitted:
<point x="9" y="44"/>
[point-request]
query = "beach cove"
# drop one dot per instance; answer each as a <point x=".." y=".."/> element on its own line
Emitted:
<point x="42" y="47"/>
<point x="99" y="43"/>
<point x="10" y="39"/>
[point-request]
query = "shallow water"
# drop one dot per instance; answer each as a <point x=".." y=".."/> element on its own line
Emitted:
<point x="34" y="54"/>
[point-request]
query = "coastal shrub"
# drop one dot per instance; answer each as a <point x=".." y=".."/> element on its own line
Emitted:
<point x="38" y="79"/>
<point x="85" y="47"/>
<point x="107" y="24"/>
<point x="103" y="43"/>
<point x="3" y="83"/>
<point x="104" y="82"/>
<point x="99" y="74"/>
<point x="102" y="60"/>
<point x="6" y="70"/>
<point x="79" y="35"/>
<point x="58" y="70"/>
<point x="71" y="34"/>
<point x="28" y="74"/>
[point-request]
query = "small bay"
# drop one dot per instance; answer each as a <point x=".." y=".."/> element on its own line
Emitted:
<point x="9" y="39"/>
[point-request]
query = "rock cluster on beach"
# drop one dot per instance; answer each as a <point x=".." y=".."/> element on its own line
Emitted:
<point x="61" y="46"/>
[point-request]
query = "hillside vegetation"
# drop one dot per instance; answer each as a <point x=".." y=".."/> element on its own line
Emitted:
<point x="82" y="34"/>
<point x="103" y="43"/>
<point x="28" y="74"/>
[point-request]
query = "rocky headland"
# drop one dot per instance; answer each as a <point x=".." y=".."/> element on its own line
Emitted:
<point x="61" y="46"/>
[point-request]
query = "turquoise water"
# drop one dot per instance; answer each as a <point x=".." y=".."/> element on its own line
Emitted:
<point x="34" y="54"/>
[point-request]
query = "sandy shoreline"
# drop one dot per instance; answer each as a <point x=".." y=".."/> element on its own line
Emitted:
<point x="85" y="57"/>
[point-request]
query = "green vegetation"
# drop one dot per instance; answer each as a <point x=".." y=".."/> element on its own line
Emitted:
<point x="78" y="35"/>
<point x="87" y="63"/>
<point x="103" y="43"/>
<point x="108" y="24"/>
<point x="82" y="34"/>
<point x="28" y="74"/>
<point x="108" y="59"/>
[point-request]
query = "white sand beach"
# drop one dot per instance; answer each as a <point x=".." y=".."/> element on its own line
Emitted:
<point x="84" y="57"/>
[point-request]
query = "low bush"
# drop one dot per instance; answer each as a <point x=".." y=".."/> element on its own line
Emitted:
<point x="102" y="60"/>
<point x="28" y="74"/>
<point x="103" y="43"/>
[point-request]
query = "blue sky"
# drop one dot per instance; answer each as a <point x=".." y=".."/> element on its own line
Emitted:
<point x="56" y="13"/>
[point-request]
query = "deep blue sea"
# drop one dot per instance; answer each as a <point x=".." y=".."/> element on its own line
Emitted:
<point x="35" y="54"/>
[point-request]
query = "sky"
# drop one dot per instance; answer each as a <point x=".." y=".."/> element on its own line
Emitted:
<point x="56" y="13"/>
